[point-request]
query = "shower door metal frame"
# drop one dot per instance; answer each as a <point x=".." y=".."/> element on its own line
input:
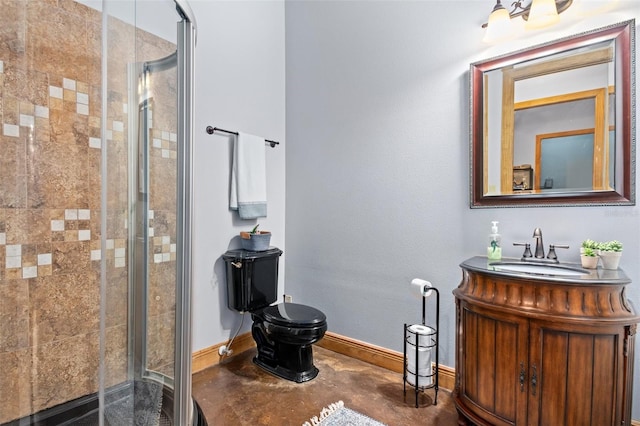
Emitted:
<point x="182" y="60"/>
<point x="139" y="214"/>
<point x="183" y="405"/>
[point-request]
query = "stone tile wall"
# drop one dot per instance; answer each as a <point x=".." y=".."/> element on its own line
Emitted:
<point x="50" y="211"/>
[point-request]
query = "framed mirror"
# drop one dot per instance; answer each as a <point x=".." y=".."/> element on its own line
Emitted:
<point x="552" y="124"/>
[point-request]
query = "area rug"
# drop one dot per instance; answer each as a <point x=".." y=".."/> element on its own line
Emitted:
<point x="337" y="414"/>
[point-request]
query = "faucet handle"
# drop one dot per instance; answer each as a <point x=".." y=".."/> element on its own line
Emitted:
<point x="552" y="250"/>
<point x="527" y="249"/>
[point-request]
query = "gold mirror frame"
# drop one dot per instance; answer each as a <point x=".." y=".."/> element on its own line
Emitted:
<point x="624" y="193"/>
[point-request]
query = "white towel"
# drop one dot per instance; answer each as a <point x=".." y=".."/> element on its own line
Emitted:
<point x="248" y="177"/>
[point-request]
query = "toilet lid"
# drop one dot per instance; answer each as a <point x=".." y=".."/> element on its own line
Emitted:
<point x="293" y="314"/>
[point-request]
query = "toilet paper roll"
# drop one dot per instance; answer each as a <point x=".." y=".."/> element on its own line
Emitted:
<point x="421" y="351"/>
<point x="424" y="361"/>
<point x="421" y="371"/>
<point x="422" y="381"/>
<point x="418" y="286"/>
<point x="424" y="334"/>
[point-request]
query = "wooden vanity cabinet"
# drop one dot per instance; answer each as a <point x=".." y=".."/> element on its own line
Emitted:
<point x="535" y="352"/>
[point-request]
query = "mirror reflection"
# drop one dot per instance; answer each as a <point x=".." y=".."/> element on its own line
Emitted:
<point x="551" y="124"/>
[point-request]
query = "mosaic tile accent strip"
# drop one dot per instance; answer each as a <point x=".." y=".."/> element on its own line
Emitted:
<point x="72" y="91"/>
<point x="163" y="249"/>
<point x="35" y="259"/>
<point x="115" y="247"/>
<point x="166" y="142"/>
<point x="120" y="253"/>
<point x="74" y="226"/>
<point x="26" y="118"/>
<point x="23" y="261"/>
<point x="115" y="129"/>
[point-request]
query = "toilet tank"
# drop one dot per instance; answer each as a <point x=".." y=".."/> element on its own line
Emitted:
<point x="252" y="278"/>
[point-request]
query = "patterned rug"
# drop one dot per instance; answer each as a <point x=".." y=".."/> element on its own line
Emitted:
<point x="337" y="414"/>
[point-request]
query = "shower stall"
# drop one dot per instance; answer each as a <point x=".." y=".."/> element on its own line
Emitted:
<point x="95" y="212"/>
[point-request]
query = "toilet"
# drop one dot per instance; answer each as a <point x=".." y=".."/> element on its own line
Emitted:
<point x="285" y="332"/>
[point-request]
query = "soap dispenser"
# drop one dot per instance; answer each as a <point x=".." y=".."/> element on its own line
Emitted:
<point x="494" y="251"/>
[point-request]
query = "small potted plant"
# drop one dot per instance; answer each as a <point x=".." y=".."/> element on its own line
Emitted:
<point x="255" y="240"/>
<point x="610" y="253"/>
<point x="589" y="258"/>
<point x="589" y="244"/>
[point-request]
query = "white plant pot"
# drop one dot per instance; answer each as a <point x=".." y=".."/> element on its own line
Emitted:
<point x="589" y="262"/>
<point x="610" y="259"/>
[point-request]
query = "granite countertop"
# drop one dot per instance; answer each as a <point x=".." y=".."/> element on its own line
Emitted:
<point x="569" y="273"/>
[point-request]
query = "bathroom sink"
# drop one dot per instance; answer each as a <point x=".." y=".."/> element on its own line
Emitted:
<point x="540" y="268"/>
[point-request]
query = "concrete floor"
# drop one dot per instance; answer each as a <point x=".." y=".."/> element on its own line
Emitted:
<point x="237" y="392"/>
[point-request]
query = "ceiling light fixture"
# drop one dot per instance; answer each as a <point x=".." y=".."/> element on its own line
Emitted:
<point x="499" y="24"/>
<point x="536" y="13"/>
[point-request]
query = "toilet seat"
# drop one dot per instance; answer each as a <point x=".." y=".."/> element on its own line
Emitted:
<point x="284" y="334"/>
<point x="294" y="315"/>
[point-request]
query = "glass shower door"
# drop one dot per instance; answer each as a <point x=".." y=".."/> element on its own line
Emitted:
<point x="147" y="354"/>
<point x="95" y="184"/>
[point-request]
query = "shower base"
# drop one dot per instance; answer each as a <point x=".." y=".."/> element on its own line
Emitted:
<point x="84" y="411"/>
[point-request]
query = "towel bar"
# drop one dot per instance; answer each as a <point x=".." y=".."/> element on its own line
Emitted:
<point x="211" y="129"/>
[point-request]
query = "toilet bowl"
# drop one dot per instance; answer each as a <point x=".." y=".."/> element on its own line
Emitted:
<point x="284" y="333"/>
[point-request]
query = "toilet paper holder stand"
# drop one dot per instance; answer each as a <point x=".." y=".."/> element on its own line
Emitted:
<point x="421" y="342"/>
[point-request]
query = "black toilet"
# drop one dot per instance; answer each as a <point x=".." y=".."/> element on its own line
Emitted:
<point x="283" y="332"/>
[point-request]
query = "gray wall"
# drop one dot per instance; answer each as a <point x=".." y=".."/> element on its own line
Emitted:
<point x="239" y="86"/>
<point x="377" y="163"/>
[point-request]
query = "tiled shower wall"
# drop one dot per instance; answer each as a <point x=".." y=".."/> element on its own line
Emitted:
<point x="50" y="211"/>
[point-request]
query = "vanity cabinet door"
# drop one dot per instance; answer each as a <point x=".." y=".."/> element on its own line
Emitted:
<point x="574" y="378"/>
<point x="493" y="352"/>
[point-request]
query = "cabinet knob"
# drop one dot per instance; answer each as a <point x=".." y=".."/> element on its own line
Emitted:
<point x="522" y="376"/>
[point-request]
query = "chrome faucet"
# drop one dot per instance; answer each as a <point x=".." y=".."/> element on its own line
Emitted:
<point x="539" y="253"/>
